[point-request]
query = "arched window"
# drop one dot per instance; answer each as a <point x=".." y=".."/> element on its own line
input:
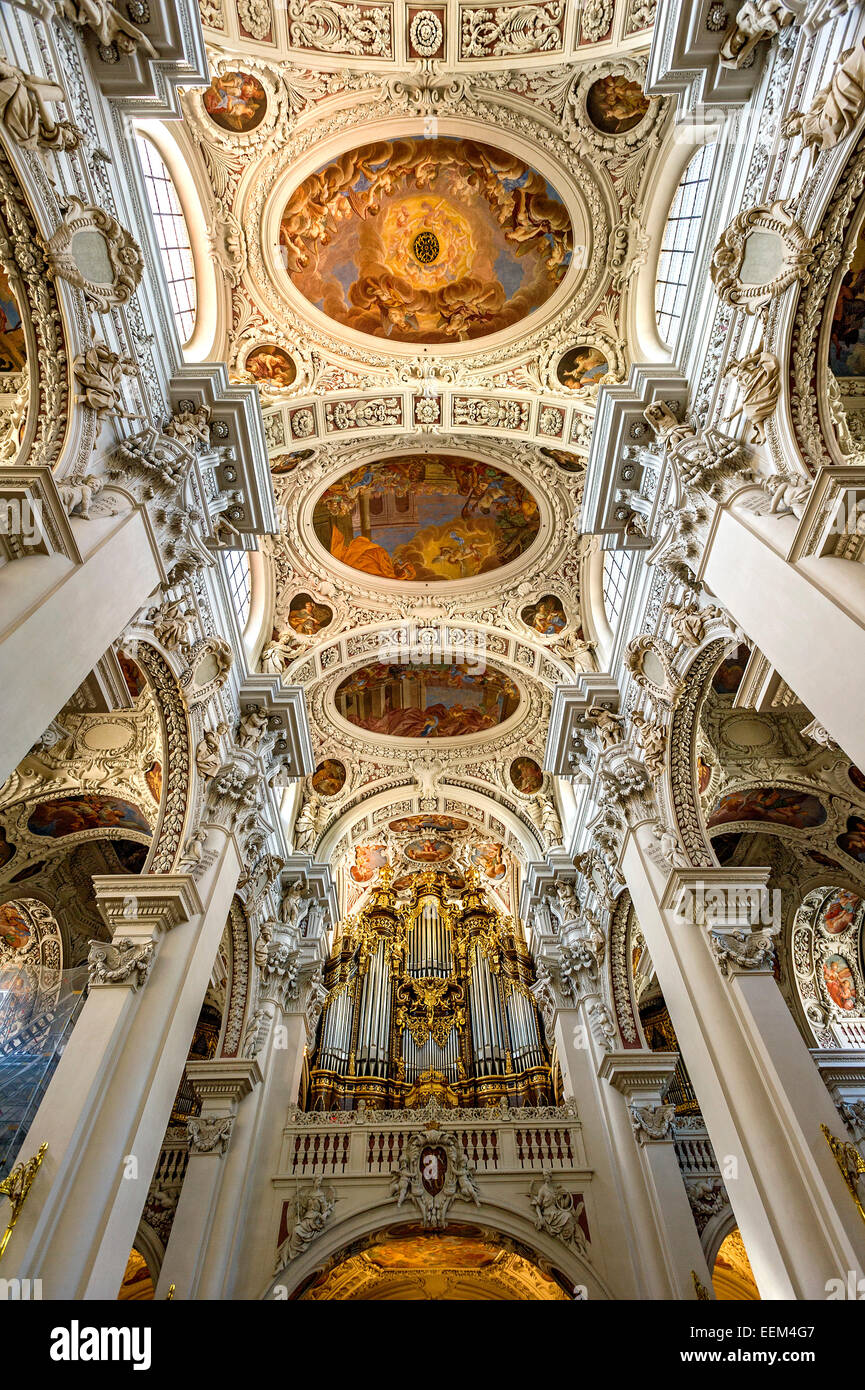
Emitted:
<point x="679" y="243"/>
<point x="239" y="584"/>
<point x="617" y="567"/>
<point x="172" y="236"/>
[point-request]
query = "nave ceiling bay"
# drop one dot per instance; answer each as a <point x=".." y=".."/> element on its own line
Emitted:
<point x="428" y="265"/>
<point x="376" y="227"/>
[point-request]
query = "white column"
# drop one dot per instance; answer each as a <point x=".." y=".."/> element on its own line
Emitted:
<point x="58" y="618"/>
<point x="109" y="1101"/>
<point x="248" y="1221"/>
<point x="627" y="1242"/>
<point x="760" y="1094"/>
<point x="801" y="616"/>
<point x="642" y="1077"/>
<point x="220" y="1084"/>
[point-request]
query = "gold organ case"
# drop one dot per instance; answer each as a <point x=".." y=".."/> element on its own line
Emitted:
<point x="429" y="997"/>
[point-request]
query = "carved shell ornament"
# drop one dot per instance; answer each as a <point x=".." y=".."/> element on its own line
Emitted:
<point x="94" y="253"/>
<point x="651" y="662"/>
<point x="762" y="252"/>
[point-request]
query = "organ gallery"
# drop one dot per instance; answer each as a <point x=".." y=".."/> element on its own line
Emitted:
<point x="432" y="623"/>
<point x="429" y="997"/>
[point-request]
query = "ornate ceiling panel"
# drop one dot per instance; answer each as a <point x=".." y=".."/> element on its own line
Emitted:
<point x="398" y="32"/>
<point x="426" y="223"/>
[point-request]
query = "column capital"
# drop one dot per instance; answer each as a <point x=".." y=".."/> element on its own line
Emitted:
<point x="152" y="902"/>
<point x="735" y="908"/>
<point x="224" y="1078"/>
<point x="642" y="1076"/>
<point x="209" y="1135"/>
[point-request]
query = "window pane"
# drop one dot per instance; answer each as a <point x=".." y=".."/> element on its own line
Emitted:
<point x="679" y="242"/>
<point x="171" y="235"/>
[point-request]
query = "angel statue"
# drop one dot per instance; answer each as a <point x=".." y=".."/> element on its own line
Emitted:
<point x="557" y="1212"/>
<point x="307" y="1217"/>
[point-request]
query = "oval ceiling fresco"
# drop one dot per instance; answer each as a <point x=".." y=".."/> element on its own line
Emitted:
<point x="426" y="241"/>
<point x="429" y="518"/>
<point x="426" y="701"/>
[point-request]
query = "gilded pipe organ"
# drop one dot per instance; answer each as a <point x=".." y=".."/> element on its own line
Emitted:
<point x="429" y="995"/>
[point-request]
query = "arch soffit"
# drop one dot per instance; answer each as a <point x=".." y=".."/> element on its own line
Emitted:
<point x="490" y="1216"/>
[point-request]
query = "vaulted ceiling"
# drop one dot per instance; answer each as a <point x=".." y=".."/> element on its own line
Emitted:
<point x="426" y="224"/>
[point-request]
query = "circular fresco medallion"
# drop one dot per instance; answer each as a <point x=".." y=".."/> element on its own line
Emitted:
<point x="15" y="929"/>
<point x="581" y="367"/>
<point x="426" y="701"/>
<point x="570" y="463"/>
<point x="368" y="859"/>
<point x="428" y="518"/>
<point x="546" y="617"/>
<point x="526" y="775"/>
<point x="235" y="101"/>
<point x="329" y="777"/>
<point x="839" y="982"/>
<point x="13" y="345"/>
<point x="428" y="851"/>
<point x="489" y="859"/>
<point x="839" y="911"/>
<point x="426" y="240"/>
<point x="615" y="105"/>
<point x="307" y="617"/>
<point x="271" y="364"/>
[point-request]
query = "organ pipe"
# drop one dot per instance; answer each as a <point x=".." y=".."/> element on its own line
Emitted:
<point x="429" y="995"/>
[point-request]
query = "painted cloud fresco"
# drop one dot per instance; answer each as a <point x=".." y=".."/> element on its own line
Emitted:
<point x="430" y="241"/>
<point x="426" y="701"/>
<point x="430" y="518"/>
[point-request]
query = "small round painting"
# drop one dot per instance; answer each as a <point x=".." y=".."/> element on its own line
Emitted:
<point x="571" y="463"/>
<point x="329" y="777"/>
<point x="14" y="929"/>
<point x="489" y="859"/>
<point x="839" y="911"/>
<point x="429" y="851"/>
<point x="853" y="840"/>
<point x="235" y="101"/>
<point x="271" y="364"/>
<point x="839" y="982"/>
<point x="286" y="463"/>
<point x="6" y="850"/>
<point x="308" y="617"/>
<point x="728" y="677"/>
<point x="615" y="105"/>
<point x="856" y="777"/>
<point x="547" y="616"/>
<point x="526" y="776"/>
<point x="582" y="366"/>
<point x="368" y="859"/>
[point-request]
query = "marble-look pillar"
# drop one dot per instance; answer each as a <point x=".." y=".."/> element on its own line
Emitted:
<point x="220" y="1084"/>
<point x="800" y="615"/>
<point x="642" y="1079"/>
<point x="762" y="1098"/>
<point x="107" y="1105"/>
<point x="58" y="618"/>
